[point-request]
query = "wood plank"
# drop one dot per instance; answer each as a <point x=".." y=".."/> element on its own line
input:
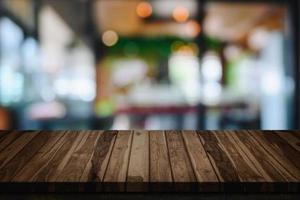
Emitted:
<point x="160" y="167"/>
<point x="182" y="170"/>
<point x="142" y="161"/>
<point x="281" y="151"/>
<point x="118" y="165"/>
<point x="3" y="134"/>
<point x="54" y="167"/>
<point x="8" y="138"/>
<point x="261" y="158"/>
<point x="223" y="166"/>
<point x="247" y="172"/>
<point x="11" y="168"/>
<point x="41" y="158"/>
<point x="138" y="169"/>
<point x="202" y="167"/>
<point x="97" y="166"/>
<point x="291" y="137"/>
<point x="75" y="167"/>
<point x="15" y="143"/>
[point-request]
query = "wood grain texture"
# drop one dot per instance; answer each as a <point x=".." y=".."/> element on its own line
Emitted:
<point x="75" y="167"/>
<point x="243" y="165"/>
<point x="41" y="158"/>
<point x="281" y="151"/>
<point x="223" y="166"/>
<point x="138" y="169"/>
<point x="23" y="156"/>
<point x="203" y="169"/>
<point x="7" y="139"/>
<point x="53" y="168"/>
<point x="116" y="172"/>
<point x="160" y="167"/>
<point x="262" y="158"/>
<point x="181" y="167"/>
<point x="146" y="161"/>
<point x="291" y="137"/>
<point x="14" y="143"/>
<point x="97" y="166"/>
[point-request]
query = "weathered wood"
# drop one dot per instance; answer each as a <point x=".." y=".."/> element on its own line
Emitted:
<point x="96" y="168"/>
<point x="281" y="151"/>
<point x="7" y="139"/>
<point x="292" y="137"/>
<point x="15" y="164"/>
<point x="202" y="167"/>
<point x="182" y="170"/>
<point x="42" y="157"/>
<point x="160" y="167"/>
<point x="138" y="169"/>
<point x="142" y="161"/>
<point x="50" y="172"/>
<point x="75" y="167"/>
<point x="223" y="166"/>
<point x="116" y="172"/>
<point x="262" y="158"/>
<point x="243" y="165"/>
<point x="14" y="144"/>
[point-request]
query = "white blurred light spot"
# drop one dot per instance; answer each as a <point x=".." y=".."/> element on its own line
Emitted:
<point x="184" y="67"/>
<point x="258" y="38"/>
<point x="121" y="122"/>
<point x="211" y="67"/>
<point x="212" y="93"/>
<point x="272" y="84"/>
<point x="129" y="71"/>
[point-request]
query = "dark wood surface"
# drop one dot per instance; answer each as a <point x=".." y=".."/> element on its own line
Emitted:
<point x="147" y="161"/>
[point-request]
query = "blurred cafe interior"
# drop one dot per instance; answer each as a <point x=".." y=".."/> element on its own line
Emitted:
<point x="149" y="64"/>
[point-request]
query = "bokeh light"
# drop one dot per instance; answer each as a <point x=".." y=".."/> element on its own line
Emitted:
<point x="144" y="9"/>
<point x="181" y="14"/>
<point x="110" y="38"/>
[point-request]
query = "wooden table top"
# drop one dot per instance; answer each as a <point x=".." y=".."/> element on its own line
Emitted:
<point x="141" y="161"/>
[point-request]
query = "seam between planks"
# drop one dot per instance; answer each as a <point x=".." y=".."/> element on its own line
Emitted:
<point x="271" y="154"/>
<point x="58" y="140"/>
<point x="32" y="156"/>
<point x="71" y="153"/>
<point x="54" y="154"/>
<point x="92" y="154"/>
<point x="222" y="145"/>
<point x="210" y="161"/>
<point x="4" y="137"/>
<point x="38" y="133"/>
<point x="288" y="132"/>
<point x="95" y="142"/>
<point x="238" y="145"/>
<point x="149" y="157"/>
<point x="129" y="156"/>
<point x="169" y="159"/>
<point x="188" y="154"/>
<point x="109" y="158"/>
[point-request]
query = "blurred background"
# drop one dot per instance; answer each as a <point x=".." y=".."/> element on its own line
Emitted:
<point x="149" y="64"/>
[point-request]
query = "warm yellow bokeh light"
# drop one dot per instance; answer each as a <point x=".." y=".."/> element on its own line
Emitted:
<point x="181" y="14"/>
<point x="110" y="38"/>
<point x="144" y="9"/>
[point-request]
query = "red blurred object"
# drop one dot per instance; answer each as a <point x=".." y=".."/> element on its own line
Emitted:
<point x="157" y="110"/>
<point x="4" y="119"/>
